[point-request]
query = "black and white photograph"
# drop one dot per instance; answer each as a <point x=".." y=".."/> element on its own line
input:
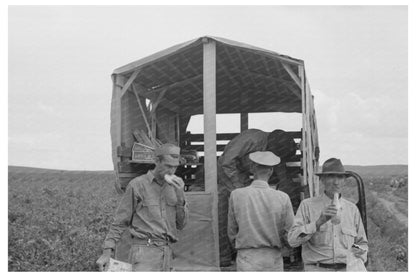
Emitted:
<point x="210" y="137"/>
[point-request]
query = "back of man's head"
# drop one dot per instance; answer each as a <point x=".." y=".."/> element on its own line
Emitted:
<point x="281" y="144"/>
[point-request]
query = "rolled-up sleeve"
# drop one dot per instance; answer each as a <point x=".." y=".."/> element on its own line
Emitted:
<point x="122" y="217"/>
<point x="302" y="229"/>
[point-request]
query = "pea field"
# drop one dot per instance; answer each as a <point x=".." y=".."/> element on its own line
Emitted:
<point x="57" y="220"/>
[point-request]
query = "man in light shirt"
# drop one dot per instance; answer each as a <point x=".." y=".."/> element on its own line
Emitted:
<point x="234" y="172"/>
<point x="325" y="246"/>
<point x="259" y="218"/>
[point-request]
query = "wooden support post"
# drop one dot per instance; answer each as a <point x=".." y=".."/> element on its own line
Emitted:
<point x="243" y="121"/>
<point x="152" y="96"/>
<point x="210" y="136"/>
<point x="116" y="125"/>
<point x="129" y="82"/>
<point x="311" y="148"/>
<point x="136" y="93"/>
<point x="293" y="75"/>
<point x="304" y="135"/>
<point x="308" y="135"/>
<point x="178" y="130"/>
<point x="159" y="98"/>
<point x="315" y="141"/>
<point x="153" y="125"/>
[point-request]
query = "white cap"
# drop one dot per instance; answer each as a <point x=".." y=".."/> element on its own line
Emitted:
<point x="264" y="158"/>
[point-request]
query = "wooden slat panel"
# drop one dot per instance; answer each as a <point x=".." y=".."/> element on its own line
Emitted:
<point x="221" y="147"/>
<point x="200" y="137"/>
<point x="295" y="134"/>
<point x="294" y="170"/>
<point x="200" y="148"/>
<point x="230" y="136"/>
<point x="296" y="158"/>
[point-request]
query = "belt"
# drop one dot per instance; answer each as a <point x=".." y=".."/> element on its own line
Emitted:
<point x="150" y="241"/>
<point x="335" y="266"/>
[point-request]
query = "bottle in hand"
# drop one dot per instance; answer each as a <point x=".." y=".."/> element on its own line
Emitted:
<point x="336" y="218"/>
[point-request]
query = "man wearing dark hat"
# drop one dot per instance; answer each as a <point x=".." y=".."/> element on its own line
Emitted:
<point x="327" y="243"/>
<point x="234" y="172"/>
<point x="153" y="208"/>
<point x="259" y="218"/>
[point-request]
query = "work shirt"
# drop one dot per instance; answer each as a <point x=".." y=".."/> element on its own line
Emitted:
<point x="234" y="164"/>
<point x="259" y="216"/>
<point x="331" y="242"/>
<point x="150" y="210"/>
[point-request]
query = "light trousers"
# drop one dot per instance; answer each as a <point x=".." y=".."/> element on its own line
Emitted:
<point x="150" y="258"/>
<point x="259" y="259"/>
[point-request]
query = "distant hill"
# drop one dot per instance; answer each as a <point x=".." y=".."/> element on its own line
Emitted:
<point x="368" y="170"/>
<point x="35" y="170"/>
<point x="378" y="170"/>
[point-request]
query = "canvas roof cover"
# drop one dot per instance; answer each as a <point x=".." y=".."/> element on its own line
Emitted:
<point x="248" y="78"/>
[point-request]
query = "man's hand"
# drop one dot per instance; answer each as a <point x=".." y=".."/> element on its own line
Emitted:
<point x="358" y="251"/>
<point x="178" y="185"/>
<point x="104" y="260"/>
<point x="329" y="211"/>
<point x="175" y="181"/>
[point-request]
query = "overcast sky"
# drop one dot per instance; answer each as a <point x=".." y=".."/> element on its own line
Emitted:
<point x="61" y="59"/>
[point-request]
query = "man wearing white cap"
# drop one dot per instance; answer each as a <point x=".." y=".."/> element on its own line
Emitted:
<point x="234" y="172"/>
<point x="259" y="218"/>
<point x="329" y="227"/>
<point x="153" y="208"/>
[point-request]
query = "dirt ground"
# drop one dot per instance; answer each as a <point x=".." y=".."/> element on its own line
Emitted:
<point x="390" y="201"/>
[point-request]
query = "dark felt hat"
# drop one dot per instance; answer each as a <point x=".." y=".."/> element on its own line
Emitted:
<point x="333" y="166"/>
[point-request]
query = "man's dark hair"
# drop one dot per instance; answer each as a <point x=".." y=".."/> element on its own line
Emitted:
<point x="281" y="144"/>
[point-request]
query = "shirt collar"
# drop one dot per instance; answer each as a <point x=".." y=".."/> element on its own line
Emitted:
<point x="151" y="177"/>
<point x="260" y="184"/>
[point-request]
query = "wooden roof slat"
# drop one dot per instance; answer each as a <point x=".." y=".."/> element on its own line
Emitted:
<point x="274" y="79"/>
<point x="227" y="52"/>
<point x="170" y="86"/>
<point x="245" y="65"/>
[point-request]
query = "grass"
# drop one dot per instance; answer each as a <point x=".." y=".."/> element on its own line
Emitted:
<point x="57" y="221"/>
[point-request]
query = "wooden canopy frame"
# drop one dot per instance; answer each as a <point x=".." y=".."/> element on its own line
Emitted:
<point x="210" y="75"/>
